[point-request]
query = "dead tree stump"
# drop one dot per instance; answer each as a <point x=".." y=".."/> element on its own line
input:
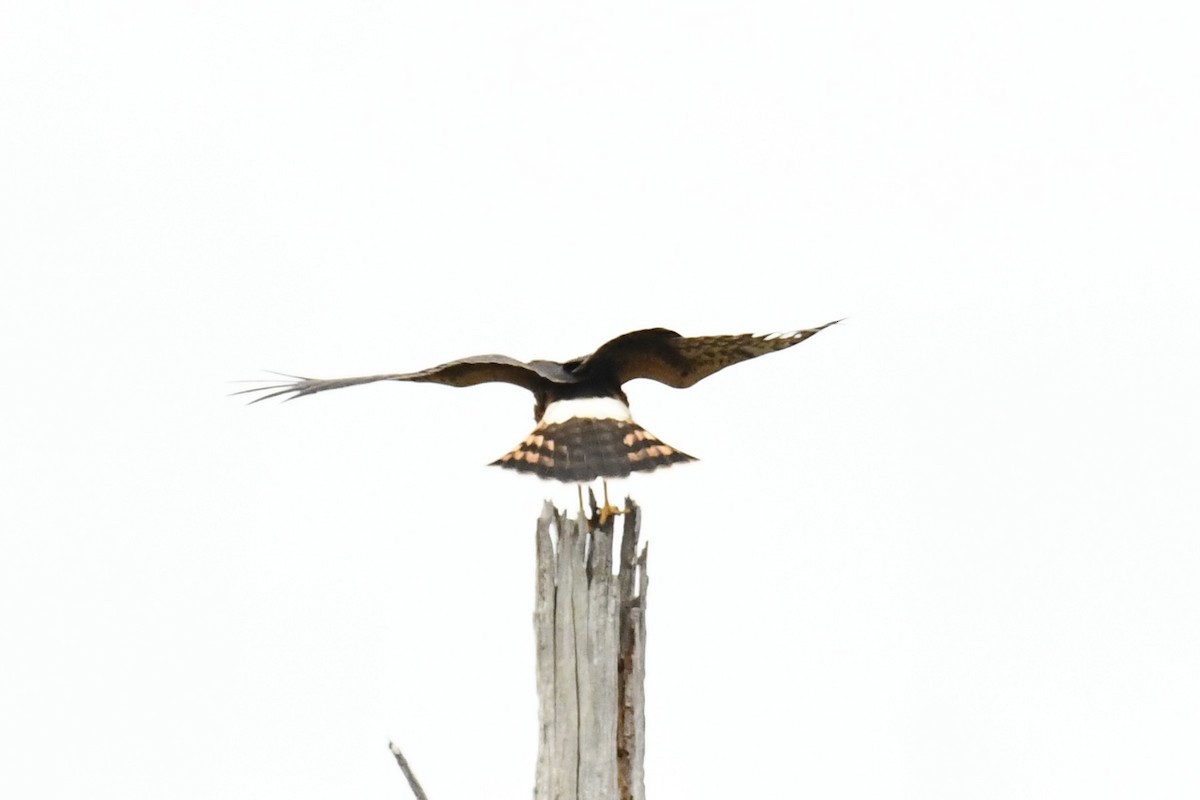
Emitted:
<point x="591" y="659"/>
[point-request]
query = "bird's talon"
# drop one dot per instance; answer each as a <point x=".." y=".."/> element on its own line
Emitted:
<point x="608" y="511"/>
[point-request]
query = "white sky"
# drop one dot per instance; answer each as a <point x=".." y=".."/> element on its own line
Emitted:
<point x="947" y="549"/>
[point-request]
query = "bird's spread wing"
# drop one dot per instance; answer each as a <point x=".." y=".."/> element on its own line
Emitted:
<point x="667" y="357"/>
<point x="463" y="372"/>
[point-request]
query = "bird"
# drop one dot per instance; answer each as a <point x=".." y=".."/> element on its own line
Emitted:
<point x="584" y="429"/>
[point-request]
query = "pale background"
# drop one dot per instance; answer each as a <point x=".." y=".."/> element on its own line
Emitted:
<point x="947" y="549"/>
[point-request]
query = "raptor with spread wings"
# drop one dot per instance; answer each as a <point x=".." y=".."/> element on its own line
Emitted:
<point x="584" y="428"/>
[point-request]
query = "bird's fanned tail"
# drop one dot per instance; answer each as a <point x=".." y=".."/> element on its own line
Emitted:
<point x="582" y="449"/>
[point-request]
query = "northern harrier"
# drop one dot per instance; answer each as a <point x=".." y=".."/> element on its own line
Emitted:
<point x="584" y="428"/>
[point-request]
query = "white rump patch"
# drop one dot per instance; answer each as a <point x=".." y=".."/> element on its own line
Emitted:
<point x="587" y="407"/>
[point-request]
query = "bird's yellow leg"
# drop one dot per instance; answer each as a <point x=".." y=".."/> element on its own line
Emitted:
<point x="608" y="509"/>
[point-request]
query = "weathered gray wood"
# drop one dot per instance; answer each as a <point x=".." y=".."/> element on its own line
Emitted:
<point x="596" y="622"/>
<point x="413" y="784"/>
<point x="543" y="620"/>
<point x="632" y="678"/>
<point x="590" y="660"/>
<point x="568" y="569"/>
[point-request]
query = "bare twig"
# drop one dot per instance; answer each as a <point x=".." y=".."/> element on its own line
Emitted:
<point x="408" y="773"/>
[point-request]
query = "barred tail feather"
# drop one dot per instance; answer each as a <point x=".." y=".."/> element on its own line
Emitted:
<point x="582" y="449"/>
